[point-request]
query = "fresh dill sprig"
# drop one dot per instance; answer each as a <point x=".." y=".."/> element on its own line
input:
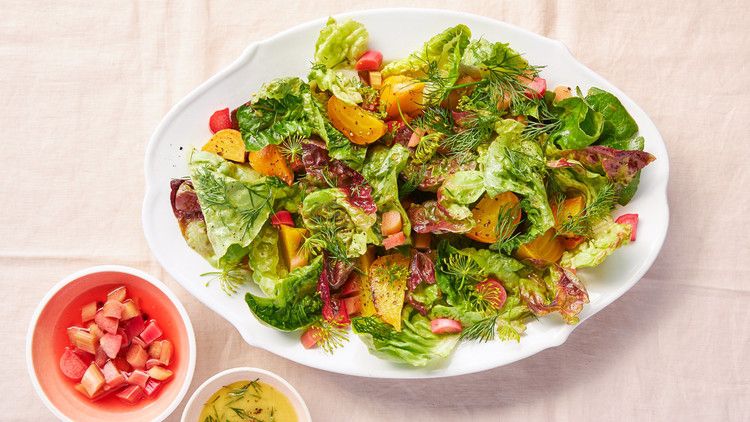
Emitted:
<point x="214" y="189"/>
<point x="230" y="279"/>
<point x="412" y="181"/>
<point x="436" y="120"/>
<point x="331" y="336"/>
<point x="482" y="331"/>
<point x="244" y="415"/>
<point x="599" y="207"/>
<point x="291" y="148"/>
<point x="545" y="122"/>
<point x="325" y="238"/>
<point x="477" y="129"/>
<point x="506" y="225"/>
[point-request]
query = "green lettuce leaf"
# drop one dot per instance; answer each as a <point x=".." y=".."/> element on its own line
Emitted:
<point x="340" y="148"/>
<point x="295" y="303"/>
<point x="282" y="109"/>
<point x="516" y="164"/>
<point x="415" y="344"/>
<point x="344" y="84"/>
<point x="580" y="127"/>
<point x="328" y="215"/>
<point x="607" y="236"/>
<point x="557" y="289"/>
<point x="618" y="124"/>
<point x="265" y="261"/>
<point x="458" y="191"/>
<point x="381" y="171"/>
<point x="440" y="56"/>
<point x="573" y="176"/>
<point x="235" y="201"/>
<point x="340" y="42"/>
<point x="483" y="57"/>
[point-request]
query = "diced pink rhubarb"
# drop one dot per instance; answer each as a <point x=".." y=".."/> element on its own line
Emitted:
<point x="152" y="386"/>
<point x="445" y="326"/>
<point x="151" y="332"/>
<point x="138" y="341"/>
<point x="131" y="394"/>
<point x="139" y="378"/>
<point x="117" y="294"/>
<point x="95" y="330"/>
<point x="83" y="339"/>
<point x="159" y="373"/>
<point x="71" y="365"/>
<point x="93" y="380"/>
<point x="166" y="352"/>
<point x="125" y="339"/>
<point x="134" y="327"/>
<point x="112" y="376"/>
<point x="153" y="362"/>
<point x="154" y="350"/>
<point x="136" y="356"/>
<point x="88" y="311"/>
<point x="122" y="364"/>
<point x="107" y="324"/>
<point x="101" y="357"/>
<point x="112" y="309"/>
<point x="129" y="310"/>
<point x="111" y="344"/>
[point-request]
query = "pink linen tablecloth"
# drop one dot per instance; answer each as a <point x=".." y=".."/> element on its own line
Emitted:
<point x="83" y="85"/>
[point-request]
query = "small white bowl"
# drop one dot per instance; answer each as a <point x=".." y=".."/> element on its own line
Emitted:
<point x="210" y="386"/>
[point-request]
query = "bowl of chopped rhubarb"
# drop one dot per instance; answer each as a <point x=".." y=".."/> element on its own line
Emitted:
<point x="111" y="343"/>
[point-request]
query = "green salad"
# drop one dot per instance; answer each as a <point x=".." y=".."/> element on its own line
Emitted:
<point x="443" y="197"/>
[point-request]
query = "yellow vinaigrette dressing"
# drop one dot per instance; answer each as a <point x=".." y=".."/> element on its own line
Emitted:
<point x="252" y="401"/>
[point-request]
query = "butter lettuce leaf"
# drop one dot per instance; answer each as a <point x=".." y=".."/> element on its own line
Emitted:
<point x="340" y="148"/>
<point x="282" y="109"/>
<point x="415" y="344"/>
<point x="606" y="238"/>
<point x="295" y="303"/>
<point x="340" y="43"/>
<point x="458" y="191"/>
<point x="344" y="84"/>
<point x="516" y="164"/>
<point x="343" y="228"/>
<point x="618" y="126"/>
<point x="381" y="171"/>
<point x="235" y="200"/>
<point x="265" y="261"/>
<point x="580" y="126"/>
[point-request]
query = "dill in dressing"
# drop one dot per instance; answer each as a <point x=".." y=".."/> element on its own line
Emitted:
<point x="244" y="401"/>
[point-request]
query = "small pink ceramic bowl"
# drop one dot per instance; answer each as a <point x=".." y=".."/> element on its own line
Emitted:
<point x="60" y="308"/>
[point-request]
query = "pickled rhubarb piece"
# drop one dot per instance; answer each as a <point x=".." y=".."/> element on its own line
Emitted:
<point x="153" y="362"/>
<point x="95" y="330"/>
<point x="71" y="365"/>
<point x="166" y="352"/>
<point x="112" y="309"/>
<point x="129" y="310"/>
<point x="83" y="339"/>
<point x="101" y="357"/>
<point x="122" y="364"/>
<point x="111" y="344"/>
<point x="117" y="294"/>
<point x="88" y="312"/>
<point x="134" y="327"/>
<point x="152" y="386"/>
<point x="154" y="350"/>
<point x="125" y="339"/>
<point x="138" y="378"/>
<point x="150" y="333"/>
<point x="159" y="373"/>
<point x="107" y="324"/>
<point x="131" y="394"/>
<point x="112" y="376"/>
<point x="138" y="341"/>
<point x="136" y="356"/>
<point x="93" y="380"/>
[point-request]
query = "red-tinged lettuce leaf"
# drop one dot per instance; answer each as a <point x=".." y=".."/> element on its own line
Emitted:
<point x="353" y="184"/>
<point x="428" y="218"/>
<point x="559" y="291"/>
<point x="315" y="158"/>
<point x="185" y="205"/>
<point x="333" y="309"/>
<point x="422" y="270"/>
<point x="416" y="304"/>
<point x="620" y="166"/>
